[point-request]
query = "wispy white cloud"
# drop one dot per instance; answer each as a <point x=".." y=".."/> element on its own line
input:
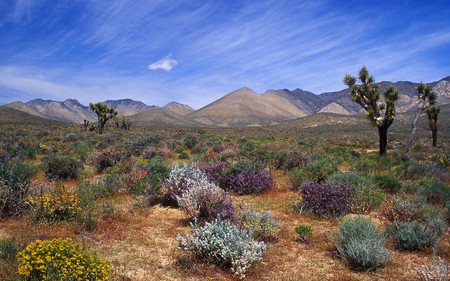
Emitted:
<point x="166" y="63"/>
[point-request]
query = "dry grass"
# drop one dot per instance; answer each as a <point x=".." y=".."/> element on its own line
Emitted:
<point x="141" y="245"/>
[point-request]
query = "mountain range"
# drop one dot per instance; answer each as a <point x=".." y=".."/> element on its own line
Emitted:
<point x="240" y="108"/>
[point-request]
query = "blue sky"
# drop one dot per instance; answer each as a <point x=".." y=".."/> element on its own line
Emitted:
<point x="194" y="52"/>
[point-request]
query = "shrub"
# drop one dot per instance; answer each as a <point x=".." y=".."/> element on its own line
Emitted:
<point x="244" y="177"/>
<point x="262" y="225"/>
<point x="366" y="166"/>
<point x="325" y="199"/>
<point x="224" y="244"/>
<point x="148" y="177"/>
<point x="361" y="244"/>
<point x="435" y="192"/>
<point x="14" y="187"/>
<point x="61" y="260"/>
<point x="400" y="208"/>
<point x="198" y="150"/>
<point x="436" y="271"/>
<point x="179" y="149"/>
<point x="9" y="248"/>
<point x="366" y="195"/>
<point x="57" y="204"/>
<point x="388" y="183"/>
<point x="319" y="169"/>
<point x="60" y="166"/>
<point x="305" y="232"/>
<point x="181" y="178"/>
<point x="203" y="200"/>
<point x="190" y="142"/>
<point x="108" y="158"/>
<point x="183" y="155"/>
<point x="411" y="236"/>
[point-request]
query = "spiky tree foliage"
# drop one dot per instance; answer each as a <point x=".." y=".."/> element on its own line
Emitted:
<point x="367" y="95"/>
<point x="433" y="112"/>
<point x="85" y="124"/>
<point x="104" y="114"/>
<point x="426" y="98"/>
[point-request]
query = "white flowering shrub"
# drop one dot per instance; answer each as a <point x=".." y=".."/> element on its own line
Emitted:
<point x="205" y="201"/>
<point x="225" y="244"/>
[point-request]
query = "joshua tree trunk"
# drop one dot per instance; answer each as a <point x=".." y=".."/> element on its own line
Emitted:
<point x="434" y="135"/>
<point x="382" y="132"/>
<point x="413" y="130"/>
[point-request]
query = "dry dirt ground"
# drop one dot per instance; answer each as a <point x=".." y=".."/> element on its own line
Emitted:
<point x="140" y="243"/>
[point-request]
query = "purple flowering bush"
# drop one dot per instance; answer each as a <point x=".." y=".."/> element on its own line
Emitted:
<point x="244" y="177"/>
<point x="325" y="199"/>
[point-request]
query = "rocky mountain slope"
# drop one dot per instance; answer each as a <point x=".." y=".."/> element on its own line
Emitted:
<point x="241" y="108"/>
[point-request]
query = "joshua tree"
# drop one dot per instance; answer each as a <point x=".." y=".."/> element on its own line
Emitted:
<point x="116" y="122"/>
<point x="104" y="113"/>
<point x="367" y="95"/>
<point x="86" y="124"/>
<point x="426" y="98"/>
<point x="433" y="112"/>
<point x="126" y="123"/>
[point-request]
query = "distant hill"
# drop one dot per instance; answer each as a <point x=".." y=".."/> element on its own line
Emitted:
<point x="69" y="110"/>
<point x="25" y="108"/>
<point x="160" y="117"/>
<point x="178" y="108"/>
<point x="127" y="107"/>
<point x="9" y="115"/>
<point x="240" y="108"/>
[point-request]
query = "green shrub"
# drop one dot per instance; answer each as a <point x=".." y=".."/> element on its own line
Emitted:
<point x="198" y="150"/>
<point x="411" y="236"/>
<point x="14" y="187"/>
<point x="361" y="244"/>
<point x="305" y="231"/>
<point x="9" y="248"/>
<point x="366" y="166"/>
<point x="180" y="149"/>
<point x="388" y="183"/>
<point x="183" y="155"/>
<point x="367" y="197"/>
<point x="319" y="169"/>
<point x="435" y="192"/>
<point x="224" y="244"/>
<point x="60" y="166"/>
<point x="190" y="142"/>
<point x="262" y="224"/>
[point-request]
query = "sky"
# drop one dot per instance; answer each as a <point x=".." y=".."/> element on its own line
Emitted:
<point x="195" y="52"/>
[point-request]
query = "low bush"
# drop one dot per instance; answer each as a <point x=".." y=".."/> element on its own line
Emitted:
<point x="61" y="260"/>
<point x="366" y="195"/>
<point x="190" y="142"/>
<point x="9" y="248"/>
<point x="14" y="187"/>
<point x="56" y="204"/>
<point x="204" y="201"/>
<point x="305" y="232"/>
<point x="412" y="236"/>
<point x="388" y="183"/>
<point x="244" y="177"/>
<point x="224" y="244"/>
<point x="361" y="244"/>
<point x="400" y="208"/>
<point x="320" y="169"/>
<point x="325" y="199"/>
<point x="262" y="225"/>
<point x="60" y="166"/>
<point x="181" y="178"/>
<point x="183" y="155"/>
<point x="108" y="158"/>
<point x="435" y="192"/>
<point x="366" y="166"/>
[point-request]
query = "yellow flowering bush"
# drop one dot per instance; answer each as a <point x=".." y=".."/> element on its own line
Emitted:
<point x="58" y="204"/>
<point x="61" y="260"/>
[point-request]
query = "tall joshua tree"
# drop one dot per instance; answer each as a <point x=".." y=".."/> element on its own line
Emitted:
<point x="367" y="95"/>
<point x="426" y="98"/>
<point x="433" y="112"/>
<point x="104" y="113"/>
